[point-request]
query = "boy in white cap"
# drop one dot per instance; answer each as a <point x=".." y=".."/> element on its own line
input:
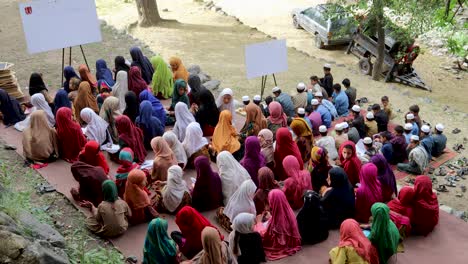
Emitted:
<point x="285" y="100"/>
<point x="328" y="143"/>
<point x="327" y="104"/>
<point x="340" y="136"/>
<point x="315" y="87"/>
<point x="426" y="140"/>
<point x="408" y="128"/>
<point x="352" y="132"/>
<point x="300" y="99"/>
<point x="439" y="139"/>
<point x="246" y="100"/>
<point x="371" y="125"/>
<point x="358" y="121"/>
<point x="410" y="119"/>
<point x="417" y="158"/>
<point x="370" y="150"/>
<point x="327" y="80"/>
<point x="324" y="113"/>
<point x="257" y="99"/>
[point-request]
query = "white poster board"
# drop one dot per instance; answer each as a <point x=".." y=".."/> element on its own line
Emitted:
<point x="56" y="24"/>
<point x="266" y="58"/>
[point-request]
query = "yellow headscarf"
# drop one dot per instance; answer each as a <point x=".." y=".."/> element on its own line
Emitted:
<point x="225" y="135"/>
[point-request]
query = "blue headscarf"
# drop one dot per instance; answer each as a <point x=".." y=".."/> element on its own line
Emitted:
<point x="68" y="73"/>
<point x="103" y="73"/>
<point x="61" y="100"/>
<point x="158" y="108"/>
<point x="159" y="248"/>
<point x="143" y="63"/>
<point x="150" y="125"/>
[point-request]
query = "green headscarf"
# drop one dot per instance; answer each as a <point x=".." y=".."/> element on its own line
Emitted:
<point x="384" y="234"/>
<point x="159" y="247"/>
<point x="109" y="191"/>
<point x="163" y="81"/>
<point x="175" y="95"/>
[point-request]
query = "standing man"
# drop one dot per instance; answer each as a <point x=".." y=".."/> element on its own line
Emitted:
<point x="341" y="100"/>
<point x="351" y="92"/>
<point x="324" y="113"/>
<point x="380" y="117"/>
<point x="327" y="80"/>
<point x="285" y="100"/>
<point x="300" y="99"/>
<point x="439" y="139"/>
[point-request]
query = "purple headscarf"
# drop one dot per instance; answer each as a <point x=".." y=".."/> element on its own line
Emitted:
<point x="207" y="179"/>
<point x="384" y="172"/>
<point x="253" y="160"/>
<point x="143" y="63"/>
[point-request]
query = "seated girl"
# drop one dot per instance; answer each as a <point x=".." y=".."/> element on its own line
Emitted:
<point x="96" y="128"/>
<point x="39" y="103"/>
<point x="425" y="210"/>
<point x="37" y="85"/>
<point x="385" y="176"/>
<point x="163" y="159"/>
<point x="240" y="202"/>
<point x="176" y="148"/>
<point x="207" y="179"/>
<point x="69" y="134"/>
<point x="354" y="247"/>
<point x="285" y="146"/>
<point x="281" y="237"/>
<point x="132" y="137"/>
<point x="195" y="144"/>
<point x="254" y="121"/>
<point x="92" y="155"/>
<point x="175" y="193"/>
<point x="304" y="138"/>
<point x="159" y="248"/>
<point x="61" y="100"/>
<point x="319" y="166"/>
<point x="349" y="161"/>
<point x="206" y="112"/>
<point x="297" y="183"/>
<point x="39" y="140"/>
<point x="215" y="250"/>
<point x="225" y="136"/>
<point x="150" y="125"/>
<point x="84" y="99"/>
<point x="384" y="234"/>
<point x="90" y="179"/>
<point x="265" y="136"/>
<point x="191" y="224"/>
<point x="110" y="110"/>
<point x="253" y="160"/>
<point x="158" y="110"/>
<point x="245" y="243"/>
<point x="10" y="109"/>
<point x="137" y="197"/>
<point x="183" y="119"/>
<point x="368" y="193"/>
<point x="266" y="183"/>
<point x="109" y="219"/>
<point x="126" y="165"/>
<point x="312" y="220"/>
<point x="232" y="174"/>
<point x="179" y="94"/>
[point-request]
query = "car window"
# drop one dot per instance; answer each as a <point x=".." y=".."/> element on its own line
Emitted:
<point x="321" y="20"/>
<point x="310" y="12"/>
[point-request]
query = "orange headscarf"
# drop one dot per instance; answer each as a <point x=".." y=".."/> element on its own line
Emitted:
<point x="135" y="195"/>
<point x="254" y="114"/>
<point x="178" y="69"/>
<point x="300" y="127"/>
<point x="225" y="135"/>
<point x="85" y="98"/>
<point x="86" y="75"/>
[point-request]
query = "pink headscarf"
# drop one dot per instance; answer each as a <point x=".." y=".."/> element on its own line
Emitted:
<point x="368" y="193"/>
<point x="298" y="182"/>
<point x="277" y="116"/>
<point x="351" y="236"/>
<point x="282" y="236"/>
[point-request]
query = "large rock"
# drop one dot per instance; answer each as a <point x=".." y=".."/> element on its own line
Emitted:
<point x="41" y="231"/>
<point x="204" y="77"/>
<point x="11" y="246"/>
<point x="43" y="253"/>
<point x="212" y="85"/>
<point x="194" y="69"/>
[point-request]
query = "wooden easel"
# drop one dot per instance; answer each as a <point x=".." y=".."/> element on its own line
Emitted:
<point x="69" y="59"/>
<point x="264" y="79"/>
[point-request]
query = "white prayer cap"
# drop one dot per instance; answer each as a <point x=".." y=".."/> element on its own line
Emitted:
<point x="370" y="115"/>
<point x="367" y="140"/>
<point x="327" y="65"/>
<point x="318" y="94"/>
<point x="301" y="111"/>
<point x="338" y="127"/>
<point x="356" y="108"/>
<point x="275" y="89"/>
<point x="408" y="126"/>
<point x="314" y="102"/>
<point x="415" y="138"/>
<point x="440" y="127"/>
<point x="245" y="98"/>
<point x="410" y="116"/>
<point x="322" y="129"/>
<point x="345" y="125"/>
<point x="257" y="98"/>
<point x="301" y="86"/>
<point x="425" y="129"/>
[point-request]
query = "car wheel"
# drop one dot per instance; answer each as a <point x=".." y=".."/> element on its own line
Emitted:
<point x="365" y="66"/>
<point x="318" y="42"/>
<point x="296" y="23"/>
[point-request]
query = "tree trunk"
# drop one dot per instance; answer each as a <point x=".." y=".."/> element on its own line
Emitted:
<point x="379" y="24"/>
<point x="447" y="8"/>
<point x="148" y="14"/>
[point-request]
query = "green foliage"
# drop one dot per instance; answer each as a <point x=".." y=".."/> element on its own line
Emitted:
<point x="456" y="44"/>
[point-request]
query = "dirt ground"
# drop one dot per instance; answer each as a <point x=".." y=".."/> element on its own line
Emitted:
<point x="216" y="42"/>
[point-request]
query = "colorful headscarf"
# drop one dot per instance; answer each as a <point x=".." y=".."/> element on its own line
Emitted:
<point x="277" y="116"/>
<point x="425" y="215"/>
<point x="285" y="146"/>
<point x="158" y="109"/>
<point x="178" y="69"/>
<point x="368" y="193"/>
<point x="159" y="248"/>
<point x="135" y="195"/>
<point x="109" y="191"/>
<point x="384" y="234"/>
<point x="266" y="144"/>
<point x="183" y="119"/>
<point x="68" y="73"/>
<point x="103" y="73"/>
<point x="351" y="235"/>
<point x="352" y="166"/>
<point x="84" y="99"/>
<point x="69" y="134"/>
<point x="254" y="115"/>
<point x="163" y="81"/>
<point x="136" y="83"/>
<point x="253" y="160"/>
<point x="142" y="63"/>
<point x="207" y="179"/>
<point x="126" y="164"/>
<point x="225" y="134"/>
<point x="297" y="183"/>
<point x="86" y="76"/>
<point x="176" y="97"/>
<point x="132" y="136"/>
<point x="92" y="155"/>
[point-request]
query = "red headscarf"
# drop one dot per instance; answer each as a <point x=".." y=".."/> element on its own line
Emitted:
<point x="135" y="194"/>
<point x="298" y="182"/>
<point x="132" y="136"/>
<point x="266" y="183"/>
<point x="69" y="134"/>
<point x="425" y="215"/>
<point x="277" y="116"/>
<point x="285" y="146"/>
<point x="91" y="154"/>
<point x="403" y="203"/>
<point x="351" y="166"/>
<point x="368" y="193"/>
<point x="351" y="235"/>
<point x="282" y="236"/>
<point x="135" y="81"/>
<point x="191" y="223"/>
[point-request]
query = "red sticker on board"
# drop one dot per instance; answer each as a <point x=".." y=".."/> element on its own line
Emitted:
<point x="28" y="10"/>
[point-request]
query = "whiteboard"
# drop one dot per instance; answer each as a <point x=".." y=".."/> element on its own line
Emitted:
<point x="56" y="24"/>
<point x="266" y="58"/>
